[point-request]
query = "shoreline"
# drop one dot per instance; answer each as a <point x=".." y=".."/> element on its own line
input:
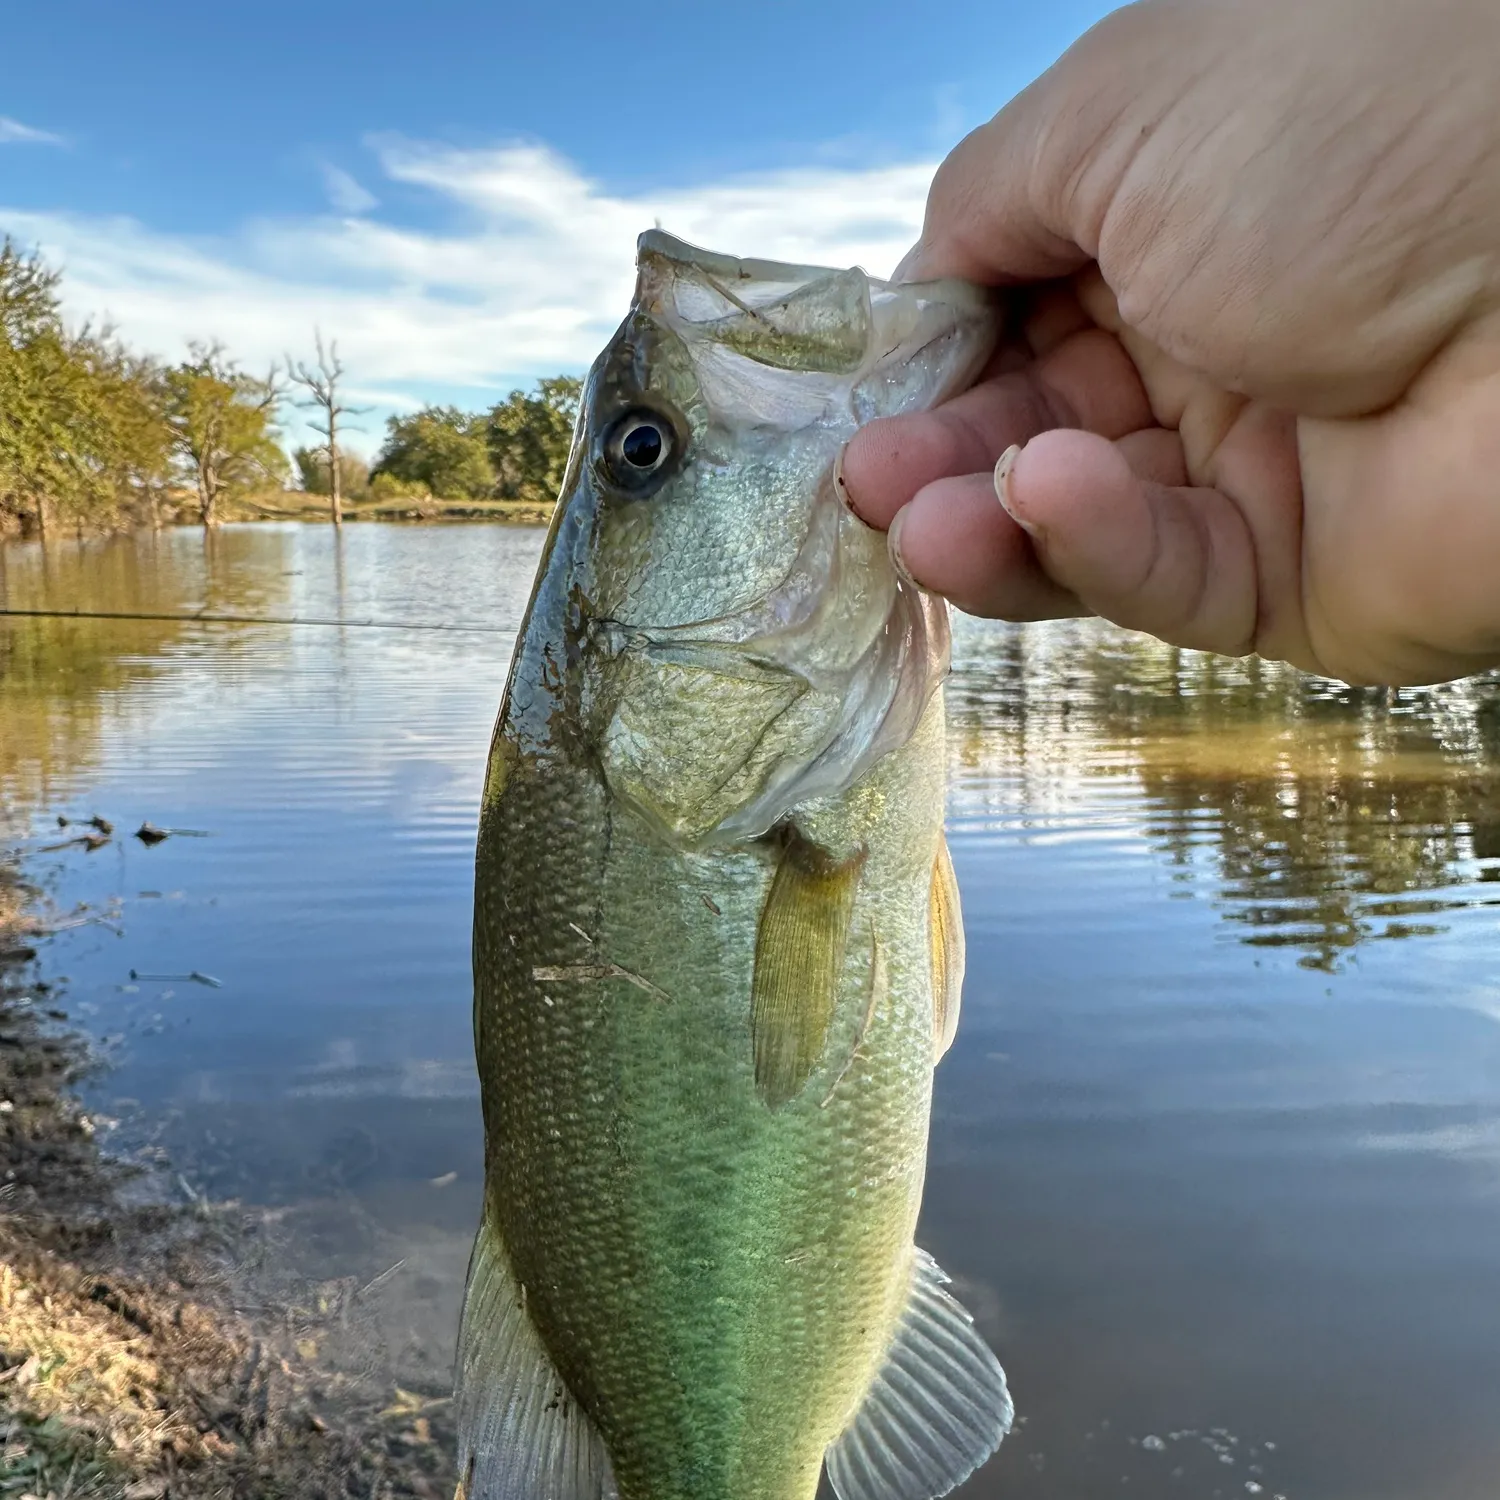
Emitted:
<point x="295" y="505"/>
<point x="300" y="506"/>
<point x="145" y="1353"/>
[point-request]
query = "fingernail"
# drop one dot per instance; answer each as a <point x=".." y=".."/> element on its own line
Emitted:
<point x="893" y="546"/>
<point x="1003" y="467"/>
<point x="842" y="490"/>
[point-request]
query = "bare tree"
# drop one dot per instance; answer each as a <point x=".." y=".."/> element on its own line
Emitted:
<point x="322" y="386"/>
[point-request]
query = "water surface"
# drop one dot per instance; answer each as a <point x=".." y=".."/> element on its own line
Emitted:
<point x="1215" y="1158"/>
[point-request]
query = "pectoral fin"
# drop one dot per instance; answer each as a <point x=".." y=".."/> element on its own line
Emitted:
<point x="521" y="1435"/>
<point x="799" y="957"/>
<point x="946" y="934"/>
<point x="936" y="1411"/>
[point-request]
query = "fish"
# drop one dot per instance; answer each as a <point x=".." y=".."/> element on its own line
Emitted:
<point x="718" y="943"/>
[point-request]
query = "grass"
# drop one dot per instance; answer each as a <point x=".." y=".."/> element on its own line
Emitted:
<point x="46" y="1459"/>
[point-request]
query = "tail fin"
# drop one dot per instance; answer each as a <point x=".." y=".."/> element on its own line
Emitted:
<point x="937" y="1410"/>
<point x="521" y="1435"/>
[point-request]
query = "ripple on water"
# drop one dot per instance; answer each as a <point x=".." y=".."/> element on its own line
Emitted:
<point x="1216" y="1140"/>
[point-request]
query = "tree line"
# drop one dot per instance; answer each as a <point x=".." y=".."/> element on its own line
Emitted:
<point x="95" y="435"/>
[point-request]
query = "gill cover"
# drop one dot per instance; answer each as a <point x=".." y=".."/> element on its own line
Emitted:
<point x="712" y="725"/>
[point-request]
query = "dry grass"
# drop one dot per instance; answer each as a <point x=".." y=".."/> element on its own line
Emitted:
<point x="134" y="1388"/>
<point x="126" y="1371"/>
<point x="91" y="1401"/>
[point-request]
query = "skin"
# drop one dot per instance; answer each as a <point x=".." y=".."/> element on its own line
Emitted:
<point x="1253" y="254"/>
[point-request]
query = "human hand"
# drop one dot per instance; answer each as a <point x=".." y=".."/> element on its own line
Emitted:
<point x="1254" y="253"/>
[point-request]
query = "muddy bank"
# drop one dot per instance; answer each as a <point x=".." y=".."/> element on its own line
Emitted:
<point x="151" y="1347"/>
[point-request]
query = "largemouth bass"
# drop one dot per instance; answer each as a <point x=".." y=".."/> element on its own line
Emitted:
<point x="717" y="941"/>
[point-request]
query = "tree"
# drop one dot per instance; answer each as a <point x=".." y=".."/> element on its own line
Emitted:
<point x="222" y="424"/>
<point x="28" y="296"/>
<point x="322" y="386"/>
<point x="441" y="449"/>
<point x="132" y="439"/>
<point x="529" y="436"/>
<point x="37" y="396"/>
<point x="36" y="386"/>
<point x="81" y="426"/>
<point x="311" y="466"/>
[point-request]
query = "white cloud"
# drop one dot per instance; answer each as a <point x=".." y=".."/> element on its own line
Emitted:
<point x="13" y="133"/>
<point x="532" y="281"/>
<point x="345" y="193"/>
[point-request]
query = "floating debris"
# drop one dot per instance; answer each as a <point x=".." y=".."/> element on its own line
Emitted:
<point x="101" y="823"/>
<point x="89" y="841"/>
<point x="148" y="833"/>
<point x="194" y="975"/>
<point x="384" y="1276"/>
<point x="82" y="916"/>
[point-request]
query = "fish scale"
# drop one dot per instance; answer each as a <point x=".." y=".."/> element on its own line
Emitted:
<point x="708" y="996"/>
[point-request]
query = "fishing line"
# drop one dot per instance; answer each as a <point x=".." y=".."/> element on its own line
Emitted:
<point x="213" y="619"/>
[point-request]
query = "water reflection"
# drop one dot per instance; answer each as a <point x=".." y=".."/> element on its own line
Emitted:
<point x="1315" y="815"/>
<point x="1213" y="1158"/>
<point x="58" y="676"/>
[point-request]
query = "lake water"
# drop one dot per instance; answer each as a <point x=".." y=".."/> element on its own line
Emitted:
<point x="1216" y="1156"/>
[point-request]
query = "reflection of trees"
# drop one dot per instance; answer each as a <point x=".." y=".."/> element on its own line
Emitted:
<point x="56" y="674"/>
<point x="1329" y="814"/>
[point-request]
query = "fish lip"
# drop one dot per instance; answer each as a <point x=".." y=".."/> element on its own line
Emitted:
<point x="659" y="245"/>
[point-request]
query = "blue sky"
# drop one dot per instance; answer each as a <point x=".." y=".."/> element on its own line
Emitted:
<point x="452" y="189"/>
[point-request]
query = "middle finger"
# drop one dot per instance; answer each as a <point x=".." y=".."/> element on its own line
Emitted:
<point x="1086" y="381"/>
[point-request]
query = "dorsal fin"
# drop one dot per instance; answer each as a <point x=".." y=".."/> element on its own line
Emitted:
<point x="946" y="934"/>
<point x="521" y="1435"/>
<point x="937" y="1410"/>
<point x="799" y="957"/>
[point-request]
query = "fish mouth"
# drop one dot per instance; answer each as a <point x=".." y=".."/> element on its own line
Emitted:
<point x="715" y="729"/>
<point x="730" y="268"/>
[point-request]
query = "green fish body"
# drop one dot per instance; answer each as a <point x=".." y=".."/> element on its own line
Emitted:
<point x="717" y="945"/>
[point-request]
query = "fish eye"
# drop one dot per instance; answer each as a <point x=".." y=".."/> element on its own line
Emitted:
<point x="638" y="447"/>
<point x="641" y="445"/>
